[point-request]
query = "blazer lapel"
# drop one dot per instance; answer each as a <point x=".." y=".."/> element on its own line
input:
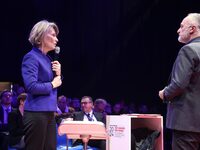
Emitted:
<point x="97" y="116"/>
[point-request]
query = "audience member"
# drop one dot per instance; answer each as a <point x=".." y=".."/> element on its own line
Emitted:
<point x="75" y="103"/>
<point x="87" y="114"/>
<point x="124" y="107"/>
<point x="108" y="109"/>
<point x="143" y="109"/>
<point x="117" y="109"/>
<point x="5" y="108"/>
<point x="16" y="126"/>
<point x="132" y="108"/>
<point x="63" y="110"/>
<point x="16" y="90"/>
<point x="100" y="105"/>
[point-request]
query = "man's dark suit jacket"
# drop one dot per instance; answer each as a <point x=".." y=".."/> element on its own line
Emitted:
<point x="3" y="131"/>
<point x="3" y="127"/>
<point x="16" y="127"/>
<point x="183" y="92"/>
<point x="78" y="116"/>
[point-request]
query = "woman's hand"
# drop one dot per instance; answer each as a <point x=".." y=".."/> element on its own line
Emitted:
<point x="56" y="82"/>
<point x="56" y="67"/>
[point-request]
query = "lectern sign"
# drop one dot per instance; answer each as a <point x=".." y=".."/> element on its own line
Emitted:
<point x="116" y="131"/>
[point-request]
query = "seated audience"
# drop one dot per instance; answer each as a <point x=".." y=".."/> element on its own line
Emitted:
<point x="16" y="127"/>
<point x="87" y="114"/>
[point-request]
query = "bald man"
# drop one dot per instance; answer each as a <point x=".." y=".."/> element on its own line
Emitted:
<point x="183" y="92"/>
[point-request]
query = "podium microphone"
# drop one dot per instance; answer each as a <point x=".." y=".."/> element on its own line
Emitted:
<point x="56" y="54"/>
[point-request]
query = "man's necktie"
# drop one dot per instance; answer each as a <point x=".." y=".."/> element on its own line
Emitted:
<point x="89" y="117"/>
<point x="7" y="110"/>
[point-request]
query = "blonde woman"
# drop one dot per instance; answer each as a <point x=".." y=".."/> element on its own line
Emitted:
<point x="41" y="78"/>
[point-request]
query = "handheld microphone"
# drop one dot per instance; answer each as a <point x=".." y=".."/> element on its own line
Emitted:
<point x="56" y="54"/>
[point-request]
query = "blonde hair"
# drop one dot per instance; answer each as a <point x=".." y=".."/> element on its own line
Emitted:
<point x="38" y="31"/>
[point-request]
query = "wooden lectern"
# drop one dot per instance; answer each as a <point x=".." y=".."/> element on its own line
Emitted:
<point x="84" y="130"/>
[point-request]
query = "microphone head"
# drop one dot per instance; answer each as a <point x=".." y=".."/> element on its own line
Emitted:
<point x="57" y="49"/>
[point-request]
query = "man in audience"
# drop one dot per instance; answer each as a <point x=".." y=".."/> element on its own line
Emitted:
<point x="5" y="108"/>
<point x="75" y="103"/>
<point x="63" y="104"/>
<point x="87" y="114"/>
<point x="100" y="105"/>
<point x="63" y="110"/>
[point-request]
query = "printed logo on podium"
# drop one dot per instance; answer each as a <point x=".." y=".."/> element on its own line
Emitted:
<point x="116" y="131"/>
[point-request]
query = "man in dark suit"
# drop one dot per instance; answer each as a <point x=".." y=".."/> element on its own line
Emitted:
<point x="87" y="114"/>
<point x="5" y="108"/>
<point x="183" y="92"/>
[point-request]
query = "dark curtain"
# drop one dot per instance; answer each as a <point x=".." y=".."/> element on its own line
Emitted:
<point x="114" y="49"/>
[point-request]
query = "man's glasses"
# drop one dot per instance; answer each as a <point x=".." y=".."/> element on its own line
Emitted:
<point x="84" y="103"/>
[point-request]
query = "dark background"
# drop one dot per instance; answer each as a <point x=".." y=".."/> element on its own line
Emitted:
<point x="113" y="49"/>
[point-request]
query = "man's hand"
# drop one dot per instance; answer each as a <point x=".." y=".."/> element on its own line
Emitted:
<point x="161" y="94"/>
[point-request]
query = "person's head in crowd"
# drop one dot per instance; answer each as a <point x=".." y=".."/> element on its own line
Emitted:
<point x="6" y="98"/>
<point x="63" y="102"/>
<point x="21" y="99"/>
<point x="132" y="108"/>
<point x="75" y="103"/>
<point x="124" y="106"/>
<point x="108" y="108"/>
<point x="122" y="102"/>
<point x="18" y="89"/>
<point x="87" y="104"/>
<point x="189" y="28"/>
<point x="100" y="105"/>
<point x="143" y="109"/>
<point x="117" y="109"/>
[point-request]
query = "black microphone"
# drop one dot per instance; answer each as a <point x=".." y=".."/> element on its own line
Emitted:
<point x="56" y="54"/>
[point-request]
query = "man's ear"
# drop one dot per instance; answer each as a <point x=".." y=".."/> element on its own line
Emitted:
<point x="193" y="29"/>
